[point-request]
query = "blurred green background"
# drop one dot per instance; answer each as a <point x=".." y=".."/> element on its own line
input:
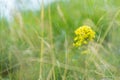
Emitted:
<point x="39" y="45"/>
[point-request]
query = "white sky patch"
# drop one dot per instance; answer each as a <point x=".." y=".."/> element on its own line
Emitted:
<point x="6" y="7"/>
<point x="9" y="7"/>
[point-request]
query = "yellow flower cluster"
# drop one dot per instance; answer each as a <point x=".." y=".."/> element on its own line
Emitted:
<point x="84" y="34"/>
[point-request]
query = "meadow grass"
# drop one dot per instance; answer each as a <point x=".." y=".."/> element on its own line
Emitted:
<point x="39" y="46"/>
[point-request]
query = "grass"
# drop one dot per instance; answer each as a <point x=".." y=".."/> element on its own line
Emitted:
<point x="38" y="46"/>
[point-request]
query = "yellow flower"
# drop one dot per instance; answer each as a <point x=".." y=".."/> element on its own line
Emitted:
<point x="84" y="34"/>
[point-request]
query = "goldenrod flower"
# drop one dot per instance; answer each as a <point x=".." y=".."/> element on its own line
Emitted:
<point x="84" y="34"/>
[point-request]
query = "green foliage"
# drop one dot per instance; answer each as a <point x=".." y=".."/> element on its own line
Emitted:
<point x="32" y="48"/>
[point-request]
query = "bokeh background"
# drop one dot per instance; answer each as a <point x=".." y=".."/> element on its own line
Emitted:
<point x="36" y="40"/>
